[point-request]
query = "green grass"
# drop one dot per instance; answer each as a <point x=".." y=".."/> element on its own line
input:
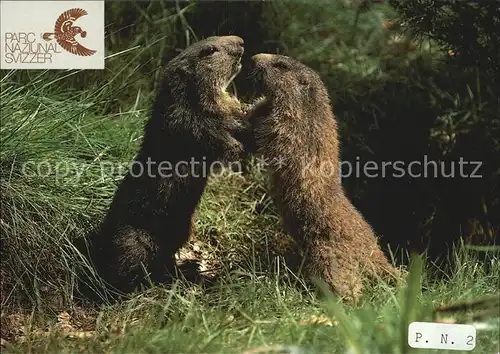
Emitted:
<point x="255" y="299"/>
<point x="248" y="309"/>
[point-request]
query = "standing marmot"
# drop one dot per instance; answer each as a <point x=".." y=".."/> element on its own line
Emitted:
<point x="192" y="125"/>
<point x="295" y="131"/>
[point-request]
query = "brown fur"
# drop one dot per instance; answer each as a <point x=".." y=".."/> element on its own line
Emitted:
<point x="193" y="119"/>
<point x="294" y="129"/>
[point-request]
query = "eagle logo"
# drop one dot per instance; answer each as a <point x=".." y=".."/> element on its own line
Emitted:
<point x="65" y="32"/>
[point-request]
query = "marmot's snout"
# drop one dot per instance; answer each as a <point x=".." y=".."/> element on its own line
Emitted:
<point x="261" y="58"/>
<point x="234" y="45"/>
<point x="235" y="39"/>
<point x="235" y="49"/>
<point x="261" y="62"/>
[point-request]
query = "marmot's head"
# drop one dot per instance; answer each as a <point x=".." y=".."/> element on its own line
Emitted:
<point x="283" y="79"/>
<point x="210" y="64"/>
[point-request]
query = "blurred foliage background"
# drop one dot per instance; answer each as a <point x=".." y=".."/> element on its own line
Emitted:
<point x="409" y="81"/>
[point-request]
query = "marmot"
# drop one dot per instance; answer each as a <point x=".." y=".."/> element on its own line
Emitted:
<point x="295" y="131"/>
<point x="192" y="124"/>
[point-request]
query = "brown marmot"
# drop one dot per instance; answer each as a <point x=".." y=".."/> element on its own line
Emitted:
<point x="294" y="129"/>
<point x="192" y="125"/>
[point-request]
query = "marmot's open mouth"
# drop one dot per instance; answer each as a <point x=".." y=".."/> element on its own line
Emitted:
<point x="236" y="70"/>
<point x="258" y="85"/>
<point x="259" y="97"/>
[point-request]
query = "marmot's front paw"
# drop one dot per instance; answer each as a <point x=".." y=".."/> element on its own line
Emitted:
<point x="244" y="134"/>
<point x="236" y="125"/>
<point x="234" y="150"/>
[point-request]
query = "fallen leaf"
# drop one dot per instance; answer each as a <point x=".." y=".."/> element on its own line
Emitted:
<point x="322" y="319"/>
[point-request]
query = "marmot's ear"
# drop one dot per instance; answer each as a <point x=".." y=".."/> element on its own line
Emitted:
<point x="280" y="64"/>
<point x="304" y="84"/>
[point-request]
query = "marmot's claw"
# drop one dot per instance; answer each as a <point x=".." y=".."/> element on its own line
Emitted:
<point x="246" y="107"/>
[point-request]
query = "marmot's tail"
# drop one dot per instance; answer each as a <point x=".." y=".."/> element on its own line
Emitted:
<point x="47" y="36"/>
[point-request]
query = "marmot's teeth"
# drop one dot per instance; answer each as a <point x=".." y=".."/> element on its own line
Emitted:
<point x="249" y="107"/>
<point x="259" y="99"/>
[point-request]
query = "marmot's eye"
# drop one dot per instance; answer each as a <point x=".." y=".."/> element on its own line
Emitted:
<point x="208" y="51"/>
<point x="281" y="65"/>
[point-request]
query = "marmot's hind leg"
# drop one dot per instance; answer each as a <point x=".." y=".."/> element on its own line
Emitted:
<point x="333" y="265"/>
<point x="380" y="267"/>
<point x="132" y="251"/>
